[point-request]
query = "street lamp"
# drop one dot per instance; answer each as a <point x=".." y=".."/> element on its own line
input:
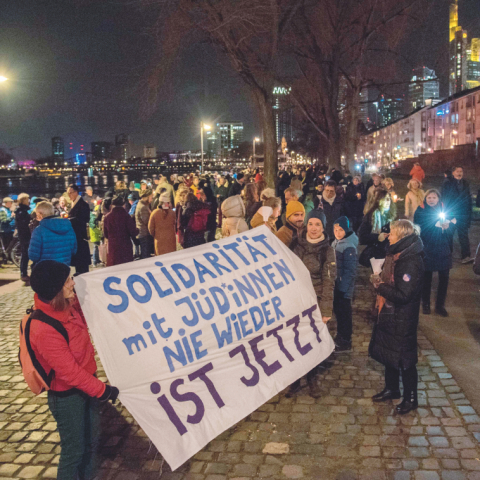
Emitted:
<point x="255" y="140"/>
<point x="202" y="128"/>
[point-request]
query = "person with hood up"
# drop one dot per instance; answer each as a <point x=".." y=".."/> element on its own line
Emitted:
<point x="233" y="212"/>
<point x="313" y="248"/>
<point x="394" y="336"/>
<point x="417" y="173"/>
<point x="162" y="226"/>
<point x="53" y="239"/>
<point x="194" y="221"/>
<point x="76" y="394"/>
<point x="436" y="232"/>
<point x="119" y="229"/>
<point x="345" y="246"/>
<point x="295" y="218"/>
<point x="271" y="210"/>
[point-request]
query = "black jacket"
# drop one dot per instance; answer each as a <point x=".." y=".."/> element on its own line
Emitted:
<point x="22" y="222"/>
<point x="437" y="243"/>
<point x="353" y="204"/>
<point x="457" y="200"/>
<point x="332" y="213"/>
<point x="394" y="337"/>
<point x="79" y="216"/>
<point x="236" y="189"/>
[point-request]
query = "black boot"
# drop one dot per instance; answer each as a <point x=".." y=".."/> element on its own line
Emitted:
<point x="385" y="395"/>
<point x="406" y="406"/>
<point x="409" y="403"/>
<point x="295" y="387"/>
<point x="426" y="309"/>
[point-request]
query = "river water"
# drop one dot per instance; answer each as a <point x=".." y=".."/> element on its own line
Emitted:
<point x="49" y="186"/>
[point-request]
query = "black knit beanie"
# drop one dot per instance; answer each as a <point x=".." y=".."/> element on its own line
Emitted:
<point x="48" y="278"/>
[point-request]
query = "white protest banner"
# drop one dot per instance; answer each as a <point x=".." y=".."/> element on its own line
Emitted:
<point x="198" y="339"/>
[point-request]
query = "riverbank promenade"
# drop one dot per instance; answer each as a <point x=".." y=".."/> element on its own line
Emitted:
<point x="341" y="435"/>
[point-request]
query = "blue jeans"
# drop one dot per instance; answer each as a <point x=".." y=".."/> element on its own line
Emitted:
<point x="96" y="254"/>
<point x="78" y="423"/>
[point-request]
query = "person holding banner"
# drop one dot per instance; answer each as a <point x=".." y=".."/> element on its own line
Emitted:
<point x="75" y="393"/>
<point x="313" y="247"/>
<point x="394" y="337"/>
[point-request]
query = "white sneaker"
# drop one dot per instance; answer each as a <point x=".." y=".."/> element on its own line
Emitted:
<point x="467" y="260"/>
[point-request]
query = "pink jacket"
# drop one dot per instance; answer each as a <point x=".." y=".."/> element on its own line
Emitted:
<point x="73" y="362"/>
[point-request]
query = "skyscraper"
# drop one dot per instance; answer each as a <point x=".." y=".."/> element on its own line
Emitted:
<point x="58" y="148"/>
<point x="229" y="137"/>
<point x="425" y="85"/>
<point x="101" y="149"/>
<point x="283" y="110"/>
<point x="464" y="56"/>
<point x="213" y="143"/>
<point x="389" y="110"/>
<point x="122" y="147"/>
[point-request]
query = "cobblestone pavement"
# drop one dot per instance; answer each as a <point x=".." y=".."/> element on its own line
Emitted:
<point x="341" y="435"/>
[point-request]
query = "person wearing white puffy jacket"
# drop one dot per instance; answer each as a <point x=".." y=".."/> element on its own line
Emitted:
<point x="233" y="212"/>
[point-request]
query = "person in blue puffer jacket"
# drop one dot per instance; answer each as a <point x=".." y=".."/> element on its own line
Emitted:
<point x="345" y="246"/>
<point x="53" y="239"/>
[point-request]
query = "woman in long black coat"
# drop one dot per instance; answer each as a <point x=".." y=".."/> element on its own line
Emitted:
<point x="355" y="197"/>
<point x="394" y="337"/>
<point x="436" y="234"/>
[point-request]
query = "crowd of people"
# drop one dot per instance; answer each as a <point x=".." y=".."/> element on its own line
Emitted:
<point x="321" y="218"/>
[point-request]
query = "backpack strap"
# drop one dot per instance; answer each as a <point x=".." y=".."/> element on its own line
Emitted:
<point x="43" y="317"/>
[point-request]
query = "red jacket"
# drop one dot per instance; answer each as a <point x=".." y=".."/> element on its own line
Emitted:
<point x="417" y="173"/>
<point x="74" y="363"/>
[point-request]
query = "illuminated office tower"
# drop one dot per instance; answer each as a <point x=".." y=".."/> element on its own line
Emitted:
<point x="58" y="148"/>
<point x="425" y="85"/>
<point x="473" y="64"/>
<point x="283" y="110"/>
<point x="230" y="136"/>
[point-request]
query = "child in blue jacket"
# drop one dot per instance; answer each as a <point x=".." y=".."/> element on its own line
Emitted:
<point x="345" y="246"/>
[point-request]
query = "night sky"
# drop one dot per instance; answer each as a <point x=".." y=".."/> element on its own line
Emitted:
<point x="76" y="70"/>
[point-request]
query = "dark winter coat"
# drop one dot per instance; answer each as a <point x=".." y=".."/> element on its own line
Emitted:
<point x="354" y="205"/>
<point x="53" y="239"/>
<point x="191" y="239"/>
<point x="457" y="200"/>
<point x="436" y="241"/>
<point x="236" y="189"/>
<point x="22" y="222"/>
<point x="79" y="217"/>
<point x="221" y="190"/>
<point x="119" y="228"/>
<point x="346" y="259"/>
<point x="394" y="337"/>
<point x="332" y="212"/>
<point x="319" y="258"/>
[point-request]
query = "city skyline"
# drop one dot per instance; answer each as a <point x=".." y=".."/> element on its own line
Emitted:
<point x="82" y="79"/>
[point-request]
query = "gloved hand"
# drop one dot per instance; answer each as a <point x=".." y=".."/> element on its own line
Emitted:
<point x="110" y="393"/>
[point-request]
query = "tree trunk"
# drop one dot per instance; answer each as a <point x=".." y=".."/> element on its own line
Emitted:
<point x="352" y="129"/>
<point x="267" y="119"/>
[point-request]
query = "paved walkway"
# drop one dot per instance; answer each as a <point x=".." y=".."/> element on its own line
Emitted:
<point x="341" y="435"/>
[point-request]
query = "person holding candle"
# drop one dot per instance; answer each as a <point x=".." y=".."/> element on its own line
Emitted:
<point x="436" y="234"/>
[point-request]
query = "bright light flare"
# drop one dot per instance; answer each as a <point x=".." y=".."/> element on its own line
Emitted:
<point x="208" y="127"/>
<point x="3" y="79"/>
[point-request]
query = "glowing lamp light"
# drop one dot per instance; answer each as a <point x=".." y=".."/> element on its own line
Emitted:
<point x="3" y="79"/>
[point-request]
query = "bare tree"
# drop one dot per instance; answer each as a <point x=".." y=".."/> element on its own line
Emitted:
<point x="248" y="32"/>
<point x="335" y="43"/>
